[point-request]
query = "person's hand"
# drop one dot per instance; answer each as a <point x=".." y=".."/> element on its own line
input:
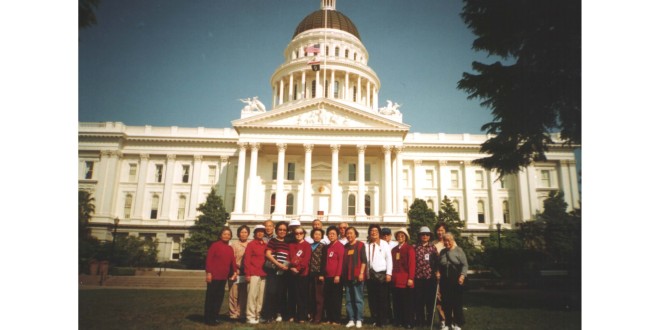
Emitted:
<point x="321" y="278"/>
<point x="410" y="283"/>
<point x="295" y="270"/>
<point x="388" y="278"/>
<point x="247" y="278"/>
<point x="361" y="277"/>
<point x="437" y="276"/>
<point x="283" y="267"/>
<point x="461" y="279"/>
<point x="337" y="278"/>
<point x="209" y="277"/>
<point x="233" y="277"/>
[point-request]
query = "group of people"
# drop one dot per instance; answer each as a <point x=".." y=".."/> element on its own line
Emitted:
<point x="285" y="274"/>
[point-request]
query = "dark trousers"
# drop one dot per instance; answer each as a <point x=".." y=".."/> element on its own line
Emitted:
<point x="403" y="306"/>
<point x="333" y="294"/>
<point x="452" y="303"/>
<point x="424" y="300"/>
<point x="288" y="298"/>
<point x="300" y="293"/>
<point x="275" y="290"/>
<point x="215" y="293"/>
<point x="315" y="298"/>
<point x="390" y="295"/>
<point x="378" y="300"/>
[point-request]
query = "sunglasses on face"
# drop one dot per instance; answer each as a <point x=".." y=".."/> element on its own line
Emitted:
<point x="299" y="233"/>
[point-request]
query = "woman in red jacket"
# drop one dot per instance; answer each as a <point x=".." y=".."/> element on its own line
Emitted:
<point x="299" y="253"/>
<point x="254" y="259"/>
<point x="333" y="267"/>
<point x="220" y="266"/>
<point x="403" y="274"/>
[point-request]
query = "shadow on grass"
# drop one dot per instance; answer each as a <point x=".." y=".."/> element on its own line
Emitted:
<point x="523" y="299"/>
<point x="197" y="318"/>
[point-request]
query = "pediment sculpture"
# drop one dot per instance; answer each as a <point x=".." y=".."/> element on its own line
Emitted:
<point x="390" y="109"/>
<point x="321" y="117"/>
<point x="253" y="105"/>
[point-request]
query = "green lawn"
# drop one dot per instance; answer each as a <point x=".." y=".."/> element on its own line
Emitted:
<point x="183" y="309"/>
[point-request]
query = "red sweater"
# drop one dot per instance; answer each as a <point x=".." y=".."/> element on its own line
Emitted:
<point x="403" y="265"/>
<point x="334" y="260"/>
<point x="299" y="254"/>
<point x="254" y="258"/>
<point x="220" y="261"/>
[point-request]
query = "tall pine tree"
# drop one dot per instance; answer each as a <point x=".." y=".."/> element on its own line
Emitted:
<point x="205" y="231"/>
<point x="419" y="215"/>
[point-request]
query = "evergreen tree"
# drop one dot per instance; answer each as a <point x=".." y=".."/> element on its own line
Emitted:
<point x="86" y="208"/>
<point x="205" y="231"/>
<point x="419" y="215"/>
<point x="538" y="90"/>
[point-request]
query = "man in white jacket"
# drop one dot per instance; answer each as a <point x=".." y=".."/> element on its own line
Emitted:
<point x="379" y="274"/>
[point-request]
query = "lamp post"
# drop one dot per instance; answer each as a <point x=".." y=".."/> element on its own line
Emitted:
<point x="114" y="235"/>
<point x="499" y="234"/>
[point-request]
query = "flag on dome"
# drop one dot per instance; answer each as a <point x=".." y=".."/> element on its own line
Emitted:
<point x="316" y="48"/>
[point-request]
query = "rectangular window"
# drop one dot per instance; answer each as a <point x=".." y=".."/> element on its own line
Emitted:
<point x="336" y="51"/>
<point x="128" y="202"/>
<point x="351" y="172"/>
<point x="429" y="178"/>
<point x="479" y="177"/>
<point x="182" y="208"/>
<point x="481" y="215"/>
<point x="275" y="171"/>
<point x="367" y="172"/>
<point x="132" y="172"/>
<point x="405" y="178"/>
<point x="176" y="246"/>
<point x="505" y="211"/>
<point x="289" y="204"/>
<point x="502" y="184"/>
<point x="155" y="200"/>
<point x="89" y="170"/>
<point x="291" y="171"/>
<point x="212" y="173"/>
<point x="186" y="174"/>
<point x="545" y="179"/>
<point x="159" y="173"/>
<point x="295" y="92"/>
<point x="454" y="179"/>
<point x="313" y="88"/>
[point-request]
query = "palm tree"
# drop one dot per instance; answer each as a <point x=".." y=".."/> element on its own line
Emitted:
<point x="86" y="208"/>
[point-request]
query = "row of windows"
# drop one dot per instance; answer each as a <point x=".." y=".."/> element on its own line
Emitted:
<point x="155" y="203"/>
<point x="429" y="179"/>
<point x="481" y="213"/>
<point x="351" y="204"/>
<point x="352" y="172"/>
<point x="337" y="52"/>
<point x="313" y="88"/>
<point x="159" y="173"/>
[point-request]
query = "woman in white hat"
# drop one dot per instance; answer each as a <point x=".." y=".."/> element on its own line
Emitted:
<point x="255" y="276"/>
<point x="403" y="276"/>
<point x="425" y="282"/>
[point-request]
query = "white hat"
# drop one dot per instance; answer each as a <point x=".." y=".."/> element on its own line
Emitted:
<point x="424" y="230"/>
<point x="402" y="230"/>
<point x="259" y="227"/>
<point x="294" y="223"/>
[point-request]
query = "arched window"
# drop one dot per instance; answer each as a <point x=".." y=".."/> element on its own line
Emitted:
<point x="354" y="56"/>
<point x="481" y="215"/>
<point x="505" y="212"/>
<point x="313" y="88"/>
<point x="429" y="203"/>
<point x="155" y="201"/>
<point x="272" y="203"/>
<point x="295" y="92"/>
<point x="182" y="207"/>
<point x="351" y="204"/>
<point x="289" y="204"/>
<point x="327" y="50"/>
<point x="337" y="51"/>
<point x="367" y="204"/>
<point x="456" y="206"/>
<point x="128" y="203"/>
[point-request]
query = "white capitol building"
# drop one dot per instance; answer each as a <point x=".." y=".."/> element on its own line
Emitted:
<point x="327" y="148"/>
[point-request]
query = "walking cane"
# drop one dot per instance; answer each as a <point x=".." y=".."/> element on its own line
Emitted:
<point x="435" y="300"/>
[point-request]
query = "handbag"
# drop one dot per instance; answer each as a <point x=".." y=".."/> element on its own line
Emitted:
<point x="270" y="267"/>
<point x="378" y="276"/>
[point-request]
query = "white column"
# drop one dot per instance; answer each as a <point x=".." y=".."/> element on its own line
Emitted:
<point x="368" y="90"/>
<point x="252" y="181"/>
<point x="335" y="194"/>
<point x="280" y="198"/>
<point x="361" y="184"/>
<point x="387" y="186"/>
<point x="167" y="192"/>
<point x="107" y="178"/>
<point x="417" y="180"/>
<point x="395" y="176"/>
<point x="494" y="214"/>
<point x="274" y="96"/>
<point x="281" y="92"/>
<point x="240" y="178"/>
<point x="319" y="89"/>
<point x="469" y="202"/>
<point x="303" y="87"/>
<point x="142" y="180"/>
<point x="575" y="190"/>
<point x="444" y="179"/>
<point x="332" y="85"/>
<point x="291" y="87"/>
<point x="399" y="169"/>
<point x="194" y="190"/>
<point x="346" y="94"/>
<point x="359" y="89"/>
<point x="307" y="197"/>
<point x="375" y="104"/>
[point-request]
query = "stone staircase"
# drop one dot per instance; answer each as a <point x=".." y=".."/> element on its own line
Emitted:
<point x="154" y="279"/>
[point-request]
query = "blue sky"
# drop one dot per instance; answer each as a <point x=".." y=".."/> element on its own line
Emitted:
<point x="185" y="63"/>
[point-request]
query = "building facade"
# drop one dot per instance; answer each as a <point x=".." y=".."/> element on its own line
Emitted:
<point x="324" y="149"/>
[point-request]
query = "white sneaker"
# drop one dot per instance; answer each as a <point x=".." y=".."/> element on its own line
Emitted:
<point x="350" y="324"/>
<point x="456" y="327"/>
<point x="252" y="321"/>
<point x="443" y="326"/>
<point x="358" y="324"/>
<point x="279" y="318"/>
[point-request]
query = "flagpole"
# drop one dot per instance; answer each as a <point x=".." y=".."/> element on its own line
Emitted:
<point x="325" y="57"/>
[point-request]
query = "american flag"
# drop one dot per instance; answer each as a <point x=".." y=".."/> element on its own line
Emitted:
<point x="313" y="49"/>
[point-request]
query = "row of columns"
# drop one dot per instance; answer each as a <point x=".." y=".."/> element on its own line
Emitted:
<point x="370" y="89"/>
<point x="335" y="198"/>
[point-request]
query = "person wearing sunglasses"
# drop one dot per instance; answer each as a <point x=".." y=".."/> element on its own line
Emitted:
<point x="300" y="253"/>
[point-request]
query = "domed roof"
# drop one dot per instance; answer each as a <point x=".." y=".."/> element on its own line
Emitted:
<point x="336" y="20"/>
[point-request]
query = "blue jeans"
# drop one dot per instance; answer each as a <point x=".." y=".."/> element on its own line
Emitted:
<point x="355" y="301"/>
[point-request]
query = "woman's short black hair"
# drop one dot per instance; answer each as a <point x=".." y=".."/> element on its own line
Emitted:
<point x="311" y="234"/>
<point x="238" y="231"/>
<point x="332" y="228"/>
<point x="372" y="226"/>
<point x="286" y="224"/>
<point x="357" y="233"/>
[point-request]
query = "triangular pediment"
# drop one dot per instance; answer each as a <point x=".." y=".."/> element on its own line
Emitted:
<point x="320" y="114"/>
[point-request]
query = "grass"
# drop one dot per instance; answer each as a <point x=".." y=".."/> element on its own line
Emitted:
<point x="183" y="309"/>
